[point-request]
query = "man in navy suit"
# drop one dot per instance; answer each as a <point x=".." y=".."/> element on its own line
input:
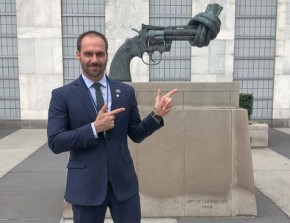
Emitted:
<point x="100" y="168"/>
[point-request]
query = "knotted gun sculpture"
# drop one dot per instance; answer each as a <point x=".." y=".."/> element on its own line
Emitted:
<point x="200" y="30"/>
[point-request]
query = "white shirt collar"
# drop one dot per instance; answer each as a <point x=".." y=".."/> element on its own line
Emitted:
<point x="89" y="82"/>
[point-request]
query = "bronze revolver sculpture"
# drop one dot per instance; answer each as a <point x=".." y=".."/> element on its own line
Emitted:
<point x="200" y="30"/>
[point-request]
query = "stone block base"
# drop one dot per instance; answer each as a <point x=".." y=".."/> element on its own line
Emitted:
<point x="258" y="134"/>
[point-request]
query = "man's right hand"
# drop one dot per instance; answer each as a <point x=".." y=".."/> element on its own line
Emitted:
<point x="106" y="120"/>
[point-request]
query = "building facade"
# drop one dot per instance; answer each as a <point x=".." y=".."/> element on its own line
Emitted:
<point x="38" y="40"/>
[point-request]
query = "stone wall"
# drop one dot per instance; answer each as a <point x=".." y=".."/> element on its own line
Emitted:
<point x="281" y="105"/>
<point x="39" y="53"/>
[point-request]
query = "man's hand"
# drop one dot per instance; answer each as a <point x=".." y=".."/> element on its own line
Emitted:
<point x="163" y="104"/>
<point x="106" y="120"/>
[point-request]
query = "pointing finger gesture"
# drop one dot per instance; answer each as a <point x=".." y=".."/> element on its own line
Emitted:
<point x="106" y="120"/>
<point x="163" y="104"/>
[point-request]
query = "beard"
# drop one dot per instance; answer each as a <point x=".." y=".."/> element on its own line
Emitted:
<point x="94" y="70"/>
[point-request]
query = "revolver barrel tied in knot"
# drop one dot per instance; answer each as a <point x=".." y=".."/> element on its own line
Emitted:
<point x="200" y="30"/>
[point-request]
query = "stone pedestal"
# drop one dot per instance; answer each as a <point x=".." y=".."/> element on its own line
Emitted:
<point x="199" y="163"/>
<point x="259" y="135"/>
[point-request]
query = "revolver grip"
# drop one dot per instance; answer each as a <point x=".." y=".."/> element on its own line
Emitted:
<point x="120" y="66"/>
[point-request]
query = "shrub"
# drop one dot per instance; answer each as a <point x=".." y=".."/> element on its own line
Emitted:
<point x="246" y="102"/>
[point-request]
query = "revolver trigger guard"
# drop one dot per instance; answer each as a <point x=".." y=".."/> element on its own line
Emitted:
<point x="154" y="61"/>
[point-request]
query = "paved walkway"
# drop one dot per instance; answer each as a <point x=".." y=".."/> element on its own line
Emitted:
<point x="31" y="192"/>
<point x="32" y="180"/>
<point x="272" y="177"/>
<point x="19" y="145"/>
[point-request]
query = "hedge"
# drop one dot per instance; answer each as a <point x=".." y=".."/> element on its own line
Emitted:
<point x="246" y="102"/>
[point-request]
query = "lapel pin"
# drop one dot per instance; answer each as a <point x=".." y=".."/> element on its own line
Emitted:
<point x="118" y="92"/>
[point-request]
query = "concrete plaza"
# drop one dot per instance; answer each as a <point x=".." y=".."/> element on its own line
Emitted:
<point x="32" y="180"/>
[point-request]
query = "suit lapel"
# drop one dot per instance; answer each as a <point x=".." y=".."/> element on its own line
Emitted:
<point x="115" y="94"/>
<point x="116" y="97"/>
<point x="83" y="95"/>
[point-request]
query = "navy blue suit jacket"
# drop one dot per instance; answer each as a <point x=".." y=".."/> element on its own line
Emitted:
<point x="92" y="160"/>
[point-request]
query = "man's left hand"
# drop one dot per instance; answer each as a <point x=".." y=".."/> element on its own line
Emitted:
<point x="163" y="104"/>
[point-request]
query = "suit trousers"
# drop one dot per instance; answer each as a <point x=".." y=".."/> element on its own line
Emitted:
<point x="128" y="211"/>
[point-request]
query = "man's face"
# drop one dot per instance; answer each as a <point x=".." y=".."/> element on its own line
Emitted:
<point x="93" y="57"/>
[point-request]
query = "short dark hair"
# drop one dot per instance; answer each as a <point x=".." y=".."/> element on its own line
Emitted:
<point x="91" y="33"/>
